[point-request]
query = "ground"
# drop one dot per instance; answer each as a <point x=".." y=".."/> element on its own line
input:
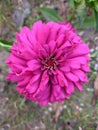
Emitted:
<point x="78" y="113"/>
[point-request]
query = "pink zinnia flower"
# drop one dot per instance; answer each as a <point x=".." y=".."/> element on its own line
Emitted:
<point x="48" y="62"/>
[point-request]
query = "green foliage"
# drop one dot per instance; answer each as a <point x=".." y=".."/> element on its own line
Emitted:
<point x="96" y="5"/>
<point x="22" y="103"/>
<point x="78" y="14"/>
<point x="79" y="8"/>
<point x="96" y="19"/>
<point x="23" y="111"/>
<point x="5" y="44"/>
<point x="71" y="4"/>
<point x="94" y="55"/>
<point x="50" y="14"/>
<point x="87" y="23"/>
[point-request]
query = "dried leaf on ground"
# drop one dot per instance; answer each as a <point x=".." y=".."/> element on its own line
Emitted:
<point x="57" y="108"/>
<point x="68" y="125"/>
<point x="97" y="127"/>
<point x="22" y="10"/>
<point x="95" y="96"/>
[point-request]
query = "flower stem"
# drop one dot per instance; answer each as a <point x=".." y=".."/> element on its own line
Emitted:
<point x="96" y="20"/>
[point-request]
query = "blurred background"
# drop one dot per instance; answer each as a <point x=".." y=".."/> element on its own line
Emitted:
<point x="78" y="113"/>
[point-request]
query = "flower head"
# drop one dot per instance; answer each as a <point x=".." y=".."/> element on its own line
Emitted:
<point x="48" y="62"/>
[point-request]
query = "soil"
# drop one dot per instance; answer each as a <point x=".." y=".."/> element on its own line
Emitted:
<point x="19" y="114"/>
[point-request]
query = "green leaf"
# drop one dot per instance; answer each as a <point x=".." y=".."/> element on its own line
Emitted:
<point x="5" y="44"/>
<point x="92" y="68"/>
<point x="71" y="4"/>
<point x="50" y="14"/>
<point x="88" y="23"/>
<point x="80" y="9"/>
<point x="22" y="103"/>
<point x="78" y="1"/>
<point x="91" y="0"/>
<point x="96" y="5"/>
<point x="96" y="19"/>
<point x="94" y="55"/>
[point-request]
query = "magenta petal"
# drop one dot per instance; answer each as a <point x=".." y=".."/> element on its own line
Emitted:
<point x="60" y="40"/>
<point x="81" y="49"/>
<point x="70" y="88"/>
<point x="22" y="38"/>
<point x="20" y="89"/>
<point x="52" y="46"/>
<point x="54" y="28"/>
<point x="68" y="25"/>
<point x="65" y="68"/>
<point x="24" y="82"/>
<point x="33" y="84"/>
<point x="72" y="77"/>
<point x="81" y="75"/>
<point x="34" y="65"/>
<point x="79" y="86"/>
<point x="38" y="96"/>
<point x="86" y="68"/>
<point x="62" y="79"/>
<point x="56" y="90"/>
<point x="44" y="102"/>
<point x="15" y="60"/>
<point x="13" y="77"/>
<point x="32" y="87"/>
<point x="48" y="61"/>
<point x="31" y="39"/>
<point x="44" y="80"/>
<point x="59" y="96"/>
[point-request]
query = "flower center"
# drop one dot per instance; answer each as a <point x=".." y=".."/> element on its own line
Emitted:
<point x="50" y="63"/>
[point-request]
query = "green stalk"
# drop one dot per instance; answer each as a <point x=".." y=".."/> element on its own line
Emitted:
<point x="96" y="20"/>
